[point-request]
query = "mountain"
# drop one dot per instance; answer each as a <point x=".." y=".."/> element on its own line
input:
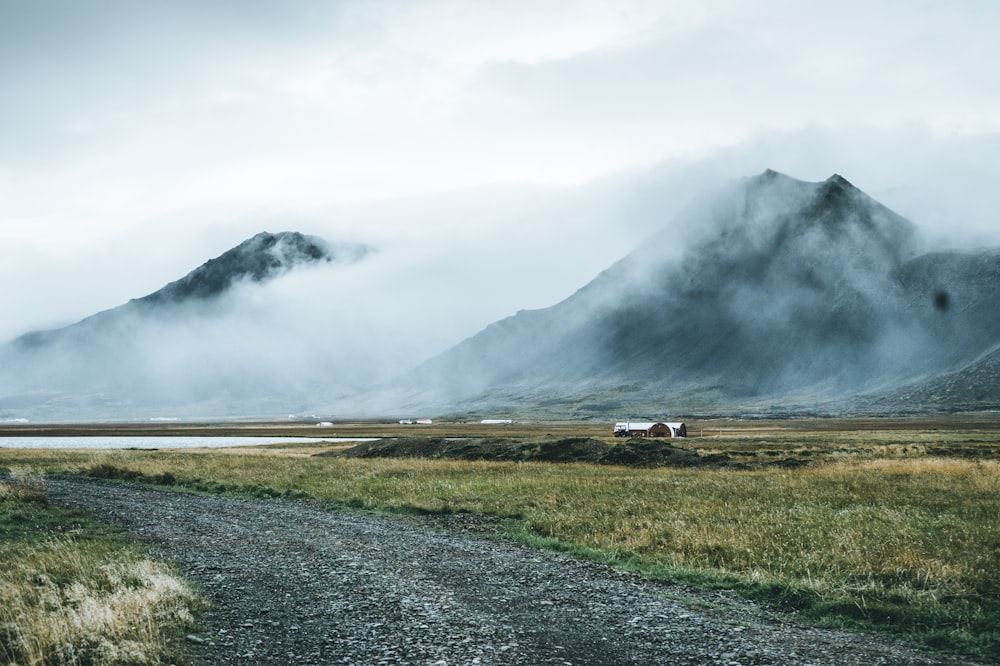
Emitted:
<point x="781" y="295"/>
<point x="201" y="342"/>
<point x="257" y="259"/>
<point x="770" y="296"/>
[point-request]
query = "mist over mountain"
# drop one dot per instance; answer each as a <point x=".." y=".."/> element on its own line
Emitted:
<point x="780" y="295"/>
<point x="257" y="259"/>
<point x="769" y="296"/>
<point x="205" y="342"/>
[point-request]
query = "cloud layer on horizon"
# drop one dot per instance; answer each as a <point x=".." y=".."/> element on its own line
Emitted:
<point x="503" y="154"/>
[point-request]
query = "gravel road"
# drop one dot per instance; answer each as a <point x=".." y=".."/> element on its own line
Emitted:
<point x="294" y="583"/>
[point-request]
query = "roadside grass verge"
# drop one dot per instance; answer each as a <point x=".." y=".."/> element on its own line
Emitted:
<point x="75" y="592"/>
<point x="904" y="542"/>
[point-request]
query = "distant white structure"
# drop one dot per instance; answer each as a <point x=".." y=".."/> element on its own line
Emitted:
<point x="424" y="421"/>
<point x="417" y="421"/>
<point x="324" y="424"/>
<point x="650" y="429"/>
<point x="497" y="421"/>
<point x="405" y="421"/>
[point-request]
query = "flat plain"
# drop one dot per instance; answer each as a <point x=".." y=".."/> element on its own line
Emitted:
<point x="874" y="524"/>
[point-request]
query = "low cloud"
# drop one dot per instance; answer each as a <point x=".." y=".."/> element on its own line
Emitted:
<point x="469" y="258"/>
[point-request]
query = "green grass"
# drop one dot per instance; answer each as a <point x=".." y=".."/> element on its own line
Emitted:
<point x="887" y="537"/>
<point x="75" y="592"/>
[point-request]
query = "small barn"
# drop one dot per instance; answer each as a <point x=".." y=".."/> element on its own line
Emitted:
<point x="650" y="429"/>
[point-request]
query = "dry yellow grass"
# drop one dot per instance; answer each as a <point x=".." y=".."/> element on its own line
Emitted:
<point x="73" y="597"/>
<point x="65" y="605"/>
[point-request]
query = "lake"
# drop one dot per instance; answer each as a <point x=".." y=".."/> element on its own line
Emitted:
<point x="167" y="442"/>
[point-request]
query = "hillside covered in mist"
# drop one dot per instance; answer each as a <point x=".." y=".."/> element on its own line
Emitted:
<point x="781" y="296"/>
<point x="769" y="296"/>
<point x="202" y="345"/>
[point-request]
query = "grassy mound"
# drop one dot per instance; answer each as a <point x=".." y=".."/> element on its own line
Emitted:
<point x="633" y="453"/>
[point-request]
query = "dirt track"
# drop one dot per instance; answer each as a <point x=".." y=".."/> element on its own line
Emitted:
<point x="292" y="582"/>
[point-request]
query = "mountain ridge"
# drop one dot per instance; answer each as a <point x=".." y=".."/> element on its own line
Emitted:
<point x="187" y="345"/>
<point x="261" y="258"/>
<point x="770" y="295"/>
<point x="787" y="291"/>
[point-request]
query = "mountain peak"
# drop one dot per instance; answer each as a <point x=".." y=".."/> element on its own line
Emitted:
<point x="769" y="176"/>
<point x="773" y="207"/>
<point x="773" y="188"/>
<point x="262" y="257"/>
<point x="786" y="286"/>
<point x="837" y="190"/>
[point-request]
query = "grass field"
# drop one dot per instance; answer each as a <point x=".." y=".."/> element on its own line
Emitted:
<point x="889" y="525"/>
<point x="75" y="592"/>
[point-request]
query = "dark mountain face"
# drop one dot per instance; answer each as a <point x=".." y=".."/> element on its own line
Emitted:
<point x="785" y="291"/>
<point x="257" y="259"/>
<point x="791" y="285"/>
<point x="956" y="299"/>
<point x="191" y="342"/>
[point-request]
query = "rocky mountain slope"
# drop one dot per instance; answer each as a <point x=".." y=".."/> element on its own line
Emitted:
<point x="192" y="342"/>
<point x="786" y="295"/>
<point x="975" y="387"/>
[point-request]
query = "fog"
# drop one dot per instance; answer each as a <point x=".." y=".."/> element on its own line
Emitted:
<point x="477" y="255"/>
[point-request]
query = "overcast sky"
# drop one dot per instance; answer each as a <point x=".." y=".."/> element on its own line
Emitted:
<point x="516" y="148"/>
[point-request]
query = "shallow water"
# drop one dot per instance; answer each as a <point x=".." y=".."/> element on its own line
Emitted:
<point x="168" y="442"/>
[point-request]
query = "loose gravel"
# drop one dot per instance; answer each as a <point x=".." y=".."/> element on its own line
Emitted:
<point x="293" y="582"/>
